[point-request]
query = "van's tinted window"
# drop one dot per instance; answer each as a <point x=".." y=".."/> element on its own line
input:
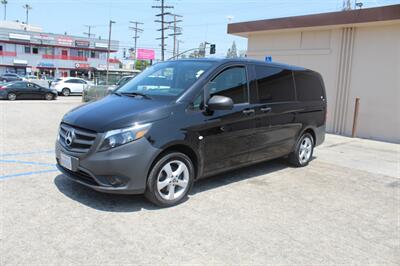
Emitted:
<point x="308" y="86"/>
<point x="232" y="83"/>
<point x="274" y="84"/>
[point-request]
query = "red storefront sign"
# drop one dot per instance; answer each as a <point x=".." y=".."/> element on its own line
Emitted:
<point x="82" y="66"/>
<point x="145" y="54"/>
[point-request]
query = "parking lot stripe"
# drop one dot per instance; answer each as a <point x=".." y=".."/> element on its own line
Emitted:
<point x="25" y="153"/>
<point x="2" y="177"/>
<point x="27" y="162"/>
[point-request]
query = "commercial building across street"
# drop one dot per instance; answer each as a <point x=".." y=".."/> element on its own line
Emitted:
<point x="358" y="54"/>
<point x="26" y="49"/>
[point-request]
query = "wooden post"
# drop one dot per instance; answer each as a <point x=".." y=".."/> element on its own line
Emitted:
<point x="355" y="119"/>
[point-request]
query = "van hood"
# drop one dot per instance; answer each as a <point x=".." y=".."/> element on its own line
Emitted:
<point x="114" y="112"/>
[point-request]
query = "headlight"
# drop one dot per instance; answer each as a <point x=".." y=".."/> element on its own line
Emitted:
<point x="118" y="137"/>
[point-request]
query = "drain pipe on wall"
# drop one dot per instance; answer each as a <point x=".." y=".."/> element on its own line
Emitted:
<point x="355" y="118"/>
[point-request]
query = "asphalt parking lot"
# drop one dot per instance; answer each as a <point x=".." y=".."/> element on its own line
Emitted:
<point x="341" y="209"/>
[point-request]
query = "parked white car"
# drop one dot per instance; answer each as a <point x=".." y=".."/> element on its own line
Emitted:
<point x="70" y="85"/>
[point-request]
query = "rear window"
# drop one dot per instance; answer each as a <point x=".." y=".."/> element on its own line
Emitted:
<point x="274" y="84"/>
<point x="308" y="86"/>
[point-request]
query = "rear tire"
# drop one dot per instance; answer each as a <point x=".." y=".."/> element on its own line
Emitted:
<point x="66" y="92"/>
<point x="12" y="96"/>
<point x="170" y="180"/>
<point x="303" y="151"/>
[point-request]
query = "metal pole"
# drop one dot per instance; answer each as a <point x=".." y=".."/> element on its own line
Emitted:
<point x="162" y="30"/>
<point x="4" y="2"/>
<point x="355" y="118"/>
<point x="108" y="49"/>
<point x="174" y="53"/>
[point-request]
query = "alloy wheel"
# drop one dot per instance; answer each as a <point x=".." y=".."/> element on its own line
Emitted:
<point x="12" y="96"/>
<point x="305" y="150"/>
<point x="66" y="92"/>
<point x="173" y="180"/>
<point x="49" y="96"/>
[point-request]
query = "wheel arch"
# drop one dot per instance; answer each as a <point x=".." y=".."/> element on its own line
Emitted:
<point x="311" y="131"/>
<point x="183" y="148"/>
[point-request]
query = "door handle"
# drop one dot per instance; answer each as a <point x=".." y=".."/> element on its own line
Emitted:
<point x="248" y="111"/>
<point x="266" y="109"/>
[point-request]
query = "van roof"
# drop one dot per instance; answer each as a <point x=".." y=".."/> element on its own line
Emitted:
<point x="245" y="60"/>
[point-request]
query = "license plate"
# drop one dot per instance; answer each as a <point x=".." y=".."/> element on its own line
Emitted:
<point x="66" y="161"/>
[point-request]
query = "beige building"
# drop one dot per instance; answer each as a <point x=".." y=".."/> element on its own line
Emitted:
<point x="358" y="54"/>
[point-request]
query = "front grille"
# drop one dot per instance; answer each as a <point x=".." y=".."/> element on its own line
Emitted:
<point x="82" y="139"/>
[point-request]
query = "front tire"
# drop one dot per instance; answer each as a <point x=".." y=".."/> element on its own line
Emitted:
<point x="12" y="96"/>
<point x="170" y="180"/>
<point x="303" y="152"/>
<point x="48" y="97"/>
<point x="66" y="92"/>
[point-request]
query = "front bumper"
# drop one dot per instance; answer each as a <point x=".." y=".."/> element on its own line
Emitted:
<point x="121" y="170"/>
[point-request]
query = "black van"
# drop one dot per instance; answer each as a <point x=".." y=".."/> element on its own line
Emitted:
<point x="182" y="120"/>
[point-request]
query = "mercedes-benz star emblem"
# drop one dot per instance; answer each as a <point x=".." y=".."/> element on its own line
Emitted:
<point x="69" y="138"/>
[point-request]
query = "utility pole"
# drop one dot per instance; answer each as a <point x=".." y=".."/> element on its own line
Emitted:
<point x="346" y="5"/>
<point x="137" y="30"/>
<point x="88" y="33"/>
<point x="177" y="46"/>
<point x="177" y="30"/>
<point x="108" y="49"/>
<point x="27" y="8"/>
<point x="5" y="2"/>
<point x="162" y="7"/>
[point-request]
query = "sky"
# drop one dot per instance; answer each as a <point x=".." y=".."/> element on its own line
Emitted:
<point x="203" y="20"/>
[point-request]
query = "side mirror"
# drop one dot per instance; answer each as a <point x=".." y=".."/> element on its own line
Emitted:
<point x="218" y="102"/>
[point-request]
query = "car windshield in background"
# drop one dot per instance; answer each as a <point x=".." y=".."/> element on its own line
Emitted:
<point x="167" y="78"/>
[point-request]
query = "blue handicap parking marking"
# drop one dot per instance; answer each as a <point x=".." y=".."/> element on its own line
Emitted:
<point x="50" y="167"/>
<point x="2" y="177"/>
<point x="25" y="153"/>
<point x="26" y="162"/>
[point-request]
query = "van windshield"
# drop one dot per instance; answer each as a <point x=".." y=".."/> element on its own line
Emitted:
<point x="166" y="78"/>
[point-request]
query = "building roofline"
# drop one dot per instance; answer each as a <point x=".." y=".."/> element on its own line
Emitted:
<point x="366" y="15"/>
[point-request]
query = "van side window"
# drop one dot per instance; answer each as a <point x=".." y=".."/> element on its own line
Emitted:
<point x="308" y="86"/>
<point x="232" y="83"/>
<point x="274" y="84"/>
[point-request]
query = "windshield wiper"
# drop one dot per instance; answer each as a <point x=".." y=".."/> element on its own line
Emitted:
<point x="134" y="94"/>
<point x="116" y="93"/>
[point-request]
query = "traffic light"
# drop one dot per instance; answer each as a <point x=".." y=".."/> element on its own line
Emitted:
<point x="212" y="49"/>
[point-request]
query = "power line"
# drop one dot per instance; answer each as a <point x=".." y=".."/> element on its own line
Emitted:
<point x="162" y="7"/>
<point x="89" y="34"/>
<point x="137" y="30"/>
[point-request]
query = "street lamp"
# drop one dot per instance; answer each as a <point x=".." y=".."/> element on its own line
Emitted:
<point x="27" y="8"/>
<point x="5" y="2"/>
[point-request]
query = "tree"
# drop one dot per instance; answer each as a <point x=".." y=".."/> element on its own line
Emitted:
<point x="141" y="64"/>
<point x="232" y="52"/>
<point x="202" y="50"/>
